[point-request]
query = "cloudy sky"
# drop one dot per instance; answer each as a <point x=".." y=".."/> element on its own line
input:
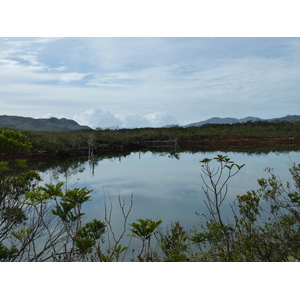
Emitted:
<point x="149" y="81"/>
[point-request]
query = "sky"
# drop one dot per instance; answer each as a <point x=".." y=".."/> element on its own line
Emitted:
<point x="147" y="81"/>
<point x="131" y="65"/>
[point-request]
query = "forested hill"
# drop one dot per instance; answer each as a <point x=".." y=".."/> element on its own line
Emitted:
<point x="216" y="120"/>
<point x="31" y="124"/>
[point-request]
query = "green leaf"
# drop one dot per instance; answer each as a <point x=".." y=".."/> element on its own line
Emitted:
<point x="205" y="160"/>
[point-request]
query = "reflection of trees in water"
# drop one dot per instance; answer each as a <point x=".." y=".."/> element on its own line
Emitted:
<point x="67" y="170"/>
<point x="70" y="167"/>
<point x="61" y="168"/>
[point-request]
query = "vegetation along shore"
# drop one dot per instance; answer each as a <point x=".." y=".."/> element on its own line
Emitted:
<point x="55" y="144"/>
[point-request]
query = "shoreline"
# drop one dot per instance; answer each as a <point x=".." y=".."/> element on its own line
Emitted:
<point x="231" y="142"/>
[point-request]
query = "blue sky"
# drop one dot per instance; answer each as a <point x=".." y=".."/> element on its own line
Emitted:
<point x="149" y="81"/>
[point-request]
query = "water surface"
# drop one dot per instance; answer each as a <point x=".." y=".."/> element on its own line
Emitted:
<point x="162" y="185"/>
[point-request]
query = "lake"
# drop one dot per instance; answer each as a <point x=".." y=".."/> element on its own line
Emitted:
<point x="163" y="185"/>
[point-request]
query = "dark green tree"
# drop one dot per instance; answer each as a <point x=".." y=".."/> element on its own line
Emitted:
<point x="12" y="141"/>
<point x="144" y="229"/>
<point x="15" y="180"/>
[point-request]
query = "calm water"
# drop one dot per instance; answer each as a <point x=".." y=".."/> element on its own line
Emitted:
<point x="163" y="186"/>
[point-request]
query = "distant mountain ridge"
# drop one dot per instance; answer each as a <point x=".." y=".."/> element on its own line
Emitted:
<point x="216" y="120"/>
<point x="31" y="124"/>
<point x="63" y="124"/>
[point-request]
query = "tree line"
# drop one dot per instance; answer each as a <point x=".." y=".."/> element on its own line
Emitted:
<point x="74" y="140"/>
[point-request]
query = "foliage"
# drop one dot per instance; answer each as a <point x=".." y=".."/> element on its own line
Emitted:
<point x="51" y="228"/>
<point x="143" y="229"/>
<point x="13" y="141"/>
<point x="174" y="243"/>
<point x="266" y="224"/>
<point x="45" y="222"/>
<point x="88" y="235"/>
<point x="15" y="181"/>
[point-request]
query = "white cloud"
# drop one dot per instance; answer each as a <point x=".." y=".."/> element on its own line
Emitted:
<point x="26" y="42"/>
<point x="68" y="77"/>
<point x="108" y="85"/>
<point x="58" y="69"/>
<point x="132" y="120"/>
<point x="21" y="61"/>
<point x="48" y="116"/>
<point x="7" y="63"/>
<point x="12" y="73"/>
<point x="31" y="58"/>
<point x="159" y="119"/>
<point x="13" y="70"/>
<point x="112" y="80"/>
<point x="8" y="53"/>
<point x="96" y="117"/>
